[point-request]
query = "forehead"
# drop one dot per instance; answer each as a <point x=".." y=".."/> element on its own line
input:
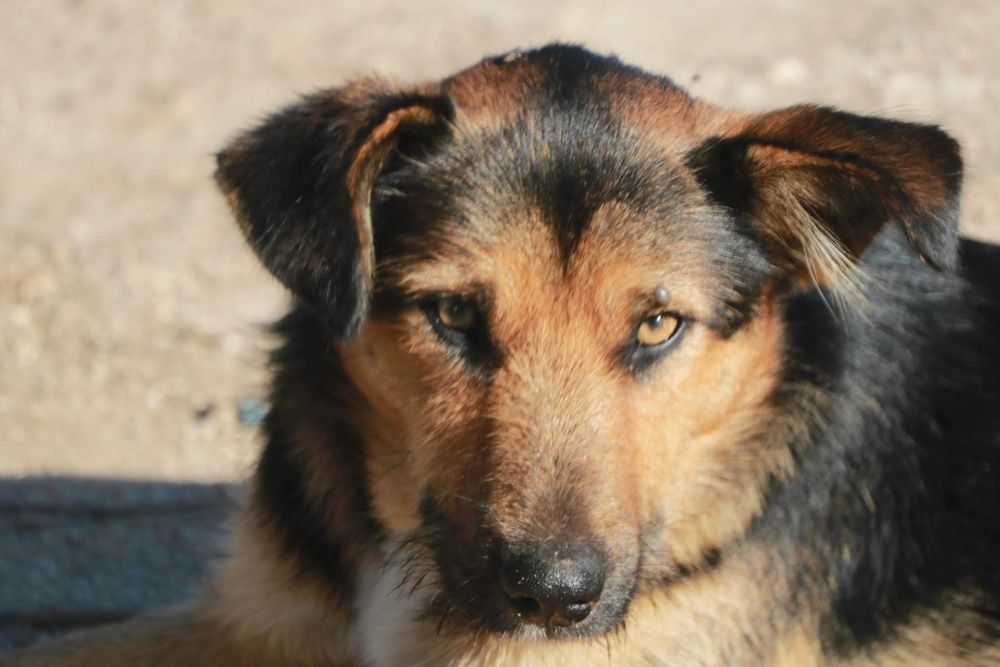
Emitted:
<point x="556" y="174"/>
<point x="559" y="168"/>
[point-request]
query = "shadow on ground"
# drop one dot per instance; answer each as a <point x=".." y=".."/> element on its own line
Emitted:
<point x="78" y="552"/>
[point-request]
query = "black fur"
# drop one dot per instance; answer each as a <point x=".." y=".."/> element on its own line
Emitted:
<point x="303" y="532"/>
<point x="895" y="500"/>
<point x="893" y="508"/>
<point x="562" y="163"/>
<point x="858" y="189"/>
<point x="328" y="533"/>
<point x="289" y="179"/>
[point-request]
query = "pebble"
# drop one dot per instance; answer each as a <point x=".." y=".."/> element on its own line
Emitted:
<point x="250" y="411"/>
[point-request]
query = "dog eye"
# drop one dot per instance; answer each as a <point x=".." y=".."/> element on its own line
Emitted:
<point x="657" y="329"/>
<point x="456" y="313"/>
<point x="461" y="324"/>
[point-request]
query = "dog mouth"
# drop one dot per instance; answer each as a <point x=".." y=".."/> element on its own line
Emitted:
<point x="475" y="599"/>
<point x="523" y="590"/>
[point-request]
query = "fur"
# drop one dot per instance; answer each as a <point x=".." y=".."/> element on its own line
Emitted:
<point x="805" y="473"/>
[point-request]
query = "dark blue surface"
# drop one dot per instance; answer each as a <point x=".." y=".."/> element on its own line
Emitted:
<point x="78" y="552"/>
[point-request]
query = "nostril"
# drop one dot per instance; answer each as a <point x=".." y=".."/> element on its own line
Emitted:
<point x="575" y="612"/>
<point x="527" y="607"/>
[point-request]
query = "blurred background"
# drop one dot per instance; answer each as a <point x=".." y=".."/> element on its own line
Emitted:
<point x="131" y="320"/>
<point x="131" y="314"/>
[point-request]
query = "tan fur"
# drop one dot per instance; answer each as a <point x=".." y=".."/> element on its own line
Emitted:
<point x="692" y="466"/>
<point x="550" y="344"/>
<point x="562" y="442"/>
<point x="950" y="636"/>
<point x="361" y="176"/>
<point x="665" y="115"/>
<point x="703" y="621"/>
<point x="263" y="601"/>
<point x="489" y="94"/>
<point x="257" y="611"/>
<point x="796" y="121"/>
<point x="662" y="451"/>
<point x="163" y="640"/>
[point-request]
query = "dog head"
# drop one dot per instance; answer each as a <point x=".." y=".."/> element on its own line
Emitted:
<point x="557" y="282"/>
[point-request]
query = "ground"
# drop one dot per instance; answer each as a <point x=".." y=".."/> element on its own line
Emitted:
<point x="131" y="314"/>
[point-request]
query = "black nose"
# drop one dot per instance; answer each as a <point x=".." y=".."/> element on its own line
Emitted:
<point x="553" y="584"/>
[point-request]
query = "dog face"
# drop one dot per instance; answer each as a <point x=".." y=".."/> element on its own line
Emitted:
<point x="557" y="285"/>
<point x="549" y="359"/>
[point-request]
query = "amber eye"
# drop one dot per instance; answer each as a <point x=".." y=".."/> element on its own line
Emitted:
<point x="456" y="313"/>
<point x="657" y="329"/>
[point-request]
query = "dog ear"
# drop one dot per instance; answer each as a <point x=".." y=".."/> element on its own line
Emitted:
<point x="300" y="186"/>
<point x="816" y="185"/>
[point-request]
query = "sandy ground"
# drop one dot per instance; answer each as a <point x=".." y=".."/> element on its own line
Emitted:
<point x="130" y="311"/>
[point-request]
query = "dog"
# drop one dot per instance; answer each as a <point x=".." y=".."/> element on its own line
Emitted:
<point x="581" y="370"/>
